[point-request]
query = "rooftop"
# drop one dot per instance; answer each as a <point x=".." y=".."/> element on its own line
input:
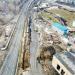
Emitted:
<point x="68" y="60"/>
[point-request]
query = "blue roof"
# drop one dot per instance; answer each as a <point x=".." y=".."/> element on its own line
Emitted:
<point x="60" y="26"/>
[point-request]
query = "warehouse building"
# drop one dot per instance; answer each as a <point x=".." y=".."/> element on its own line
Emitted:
<point x="61" y="29"/>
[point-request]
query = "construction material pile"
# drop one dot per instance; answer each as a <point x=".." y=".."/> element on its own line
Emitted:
<point x="49" y="39"/>
<point x="45" y="59"/>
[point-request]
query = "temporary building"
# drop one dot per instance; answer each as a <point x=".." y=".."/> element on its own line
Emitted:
<point x="60" y="28"/>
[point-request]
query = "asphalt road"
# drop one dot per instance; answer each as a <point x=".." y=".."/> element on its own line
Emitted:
<point x="10" y="63"/>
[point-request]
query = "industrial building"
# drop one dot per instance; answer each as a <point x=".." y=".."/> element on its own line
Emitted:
<point x="61" y="29"/>
<point x="64" y="63"/>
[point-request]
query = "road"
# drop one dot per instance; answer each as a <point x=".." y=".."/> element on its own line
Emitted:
<point x="36" y="68"/>
<point x="10" y="63"/>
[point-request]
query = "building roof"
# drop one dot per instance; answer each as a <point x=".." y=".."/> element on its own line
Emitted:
<point x="68" y="60"/>
<point x="60" y="26"/>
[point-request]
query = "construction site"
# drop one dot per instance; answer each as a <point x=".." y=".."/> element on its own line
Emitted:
<point x="47" y="23"/>
<point x="37" y="37"/>
<point x="53" y="27"/>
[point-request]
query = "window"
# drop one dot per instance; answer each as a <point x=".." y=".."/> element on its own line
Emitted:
<point x="58" y="67"/>
<point x="62" y="72"/>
